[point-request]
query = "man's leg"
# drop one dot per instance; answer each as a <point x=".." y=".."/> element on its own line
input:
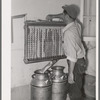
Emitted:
<point x="89" y="87"/>
<point x="75" y="92"/>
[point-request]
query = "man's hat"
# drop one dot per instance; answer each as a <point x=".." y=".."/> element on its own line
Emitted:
<point x="72" y="10"/>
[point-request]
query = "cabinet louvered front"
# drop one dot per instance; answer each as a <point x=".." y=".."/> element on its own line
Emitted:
<point x="43" y="41"/>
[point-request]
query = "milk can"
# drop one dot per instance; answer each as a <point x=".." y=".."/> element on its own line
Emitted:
<point x="59" y="85"/>
<point x="41" y="86"/>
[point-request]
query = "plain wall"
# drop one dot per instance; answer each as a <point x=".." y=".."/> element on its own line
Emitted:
<point x="39" y="8"/>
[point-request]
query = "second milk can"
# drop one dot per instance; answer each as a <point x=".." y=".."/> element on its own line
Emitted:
<point x="41" y="86"/>
<point x="59" y="85"/>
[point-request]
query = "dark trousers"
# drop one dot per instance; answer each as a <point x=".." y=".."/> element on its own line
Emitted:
<point x="75" y="89"/>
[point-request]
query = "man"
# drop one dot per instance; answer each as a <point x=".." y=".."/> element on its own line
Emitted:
<point x="73" y="49"/>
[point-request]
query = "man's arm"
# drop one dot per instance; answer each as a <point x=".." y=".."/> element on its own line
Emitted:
<point x="70" y="72"/>
<point x="51" y="16"/>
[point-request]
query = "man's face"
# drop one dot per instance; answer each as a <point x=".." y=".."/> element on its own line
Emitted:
<point x="65" y="16"/>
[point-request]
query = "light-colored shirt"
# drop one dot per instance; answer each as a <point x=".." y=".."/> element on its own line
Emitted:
<point x="73" y="47"/>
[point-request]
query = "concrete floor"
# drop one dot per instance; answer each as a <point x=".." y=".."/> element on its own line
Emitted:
<point x="20" y="93"/>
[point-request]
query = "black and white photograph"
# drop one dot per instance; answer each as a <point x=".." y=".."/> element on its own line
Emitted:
<point x="53" y="50"/>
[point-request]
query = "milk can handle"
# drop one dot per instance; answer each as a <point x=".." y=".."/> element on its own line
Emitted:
<point x="54" y="76"/>
<point x="33" y="76"/>
<point x="46" y="81"/>
<point x="64" y="76"/>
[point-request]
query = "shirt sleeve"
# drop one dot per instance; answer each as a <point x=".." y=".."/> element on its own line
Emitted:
<point x="69" y="46"/>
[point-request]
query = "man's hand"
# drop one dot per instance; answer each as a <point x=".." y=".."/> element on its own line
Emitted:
<point x="49" y="17"/>
<point x="52" y="16"/>
<point x="70" y="71"/>
<point x="71" y="78"/>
